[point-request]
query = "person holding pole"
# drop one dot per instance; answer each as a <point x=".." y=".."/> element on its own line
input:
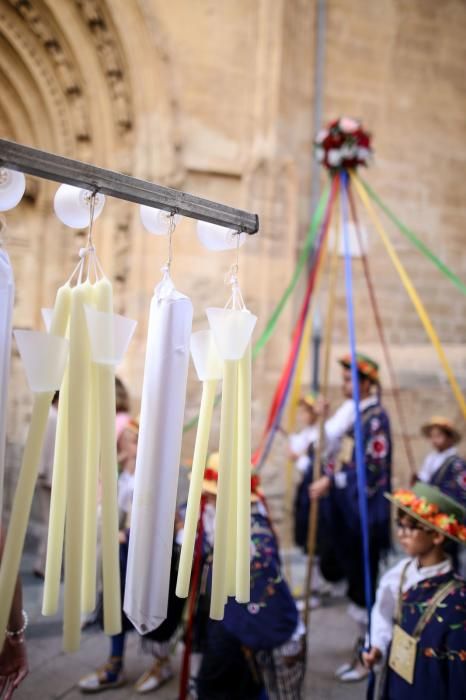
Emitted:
<point x="339" y="483"/>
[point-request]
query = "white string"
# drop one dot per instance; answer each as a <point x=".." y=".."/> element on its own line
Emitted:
<point x="236" y="300"/>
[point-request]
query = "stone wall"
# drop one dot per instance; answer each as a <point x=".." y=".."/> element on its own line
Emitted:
<point x="216" y="99"/>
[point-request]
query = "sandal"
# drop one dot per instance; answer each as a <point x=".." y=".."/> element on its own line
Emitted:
<point x="110" y="675"/>
<point x="159" y="673"/>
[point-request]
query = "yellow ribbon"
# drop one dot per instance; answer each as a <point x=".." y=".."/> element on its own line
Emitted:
<point x="412" y="293"/>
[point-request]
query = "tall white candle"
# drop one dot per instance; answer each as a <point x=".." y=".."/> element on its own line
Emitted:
<point x="56" y="531"/>
<point x="195" y="487"/>
<point x="158" y="458"/>
<point x="7" y="293"/>
<point x="91" y="485"/>
<point x="79" y="382"/>
<point x="109" y="479"/>
<point x="227" y="421"/>
<point x="14" y="543"/>
<point x="243" y="542"/>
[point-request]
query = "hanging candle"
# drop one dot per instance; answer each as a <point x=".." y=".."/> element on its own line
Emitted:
<point x="232" y="328"/>
<point x="158" y="456"/>
<point x="9" y="566"/>
<point x="209" y="371"/>
<point x="7" y="293"/>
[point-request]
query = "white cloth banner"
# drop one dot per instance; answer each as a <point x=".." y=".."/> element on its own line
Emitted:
<point x="7" y="294"/>
<point x="158" y="458"/>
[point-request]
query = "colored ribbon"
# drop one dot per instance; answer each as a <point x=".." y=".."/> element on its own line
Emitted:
<point x="284" y="384"/>
<point x="413" y="295"/>
<point x="358" y="439"/>
<point x="383" y="340"/>
<point x="420" y="245"/>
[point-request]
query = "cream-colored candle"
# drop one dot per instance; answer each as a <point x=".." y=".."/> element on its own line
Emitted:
<point x="232" y="512"/>
<point x="109" y="478"/>
<point x="88" y="591"/>
<point x="27" y="478"/>
<point x="56" y="531"/>
<point x="227" y="422"/>
<point x="79" y="383"/>
<point x="195" y="487"/>
<point x="243" y="541"/>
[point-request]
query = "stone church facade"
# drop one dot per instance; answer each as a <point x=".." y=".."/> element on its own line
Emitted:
<point x="217" y="99"/>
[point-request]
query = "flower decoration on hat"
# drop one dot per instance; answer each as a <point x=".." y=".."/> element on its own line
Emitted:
<point x="441" y="516"/>
<point x="344" y="144"/>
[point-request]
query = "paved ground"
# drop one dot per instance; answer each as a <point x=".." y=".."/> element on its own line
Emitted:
<point x="54" y="674"/>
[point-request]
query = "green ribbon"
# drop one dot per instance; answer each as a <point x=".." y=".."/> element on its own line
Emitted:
<point x="415" y="240"/>
<point x="303" y="257"/>
<point x="272" y="322"/>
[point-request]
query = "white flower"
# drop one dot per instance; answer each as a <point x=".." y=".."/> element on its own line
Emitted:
<point x="348" y="126"/>
<point x="320" y="154"/>
<point x="364" y="154"/>
<point x="334" y="157"/>
<point x="321" y="136"/>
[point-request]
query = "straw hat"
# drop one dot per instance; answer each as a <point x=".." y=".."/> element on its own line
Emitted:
<point x="366" y="366"/>
<point x="433" y="508"/>
<point x="309" y="400"/>
<point x="209" y="484"/>
<point x="444" y="424"/>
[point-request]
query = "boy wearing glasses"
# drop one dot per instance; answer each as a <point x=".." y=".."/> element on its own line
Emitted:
<point x="419" y="618"/>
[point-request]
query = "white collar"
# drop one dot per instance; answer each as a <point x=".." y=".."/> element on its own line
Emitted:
<point x="435" y="570"/>
<point x="368" y="402"/>
<point x="446" y="453"/>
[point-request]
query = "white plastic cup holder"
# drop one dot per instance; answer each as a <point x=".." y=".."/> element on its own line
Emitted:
<point x="206" y="359"/>
<point x="157" y="221"/>
<point x="109" y="335"/>
<point x="47" y="315"/>
<point x="232" y="330"/>
<point x="72" y="205"/>
<point x="44" y="357"/>
<point x="214" y="237"/>
<point x="12" y="187"/>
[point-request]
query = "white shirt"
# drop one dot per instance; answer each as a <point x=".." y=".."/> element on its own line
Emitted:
<point x="343" y="420"/>
<point x="125" y="496"/>
<point x="387" y="596"/>
<point x="433" y="462"/>
<point x="299" y="444"/>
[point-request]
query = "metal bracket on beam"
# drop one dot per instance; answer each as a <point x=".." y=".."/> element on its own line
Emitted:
<point x="33" y="161"/>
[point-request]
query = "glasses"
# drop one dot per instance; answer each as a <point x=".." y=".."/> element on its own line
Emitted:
<point x="409" y="529"/>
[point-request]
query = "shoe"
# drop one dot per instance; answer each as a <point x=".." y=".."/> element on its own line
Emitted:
<point x="354" y="675"/>
<point x="341" y="670"/>
<point x="314" y="603"/>
<point x="160" y="672"/>
<point x="108" y="676"/>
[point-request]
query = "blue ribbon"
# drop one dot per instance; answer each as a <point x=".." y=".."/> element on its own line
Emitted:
<point x="359" y="448"/>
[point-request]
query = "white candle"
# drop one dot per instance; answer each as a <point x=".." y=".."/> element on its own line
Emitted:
<point x="79" y="383"/>
<point x="88" y="591"/>
<point x="158" y="458"/>
<point x="9" y="567"/>
<point x="7" y="294"/>
<point x="195" y="487"/>
<point x="227" y="421"/>
<point x="109" y="479"/>
<point x="243" y="542"/>
<point x="56" y="529"/>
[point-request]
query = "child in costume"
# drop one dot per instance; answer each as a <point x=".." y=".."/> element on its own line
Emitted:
<point x="259" y="643"/>
<point x="419" y="617"/>
<point x="338" y="488"/>
<point x="443" y="467"/>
